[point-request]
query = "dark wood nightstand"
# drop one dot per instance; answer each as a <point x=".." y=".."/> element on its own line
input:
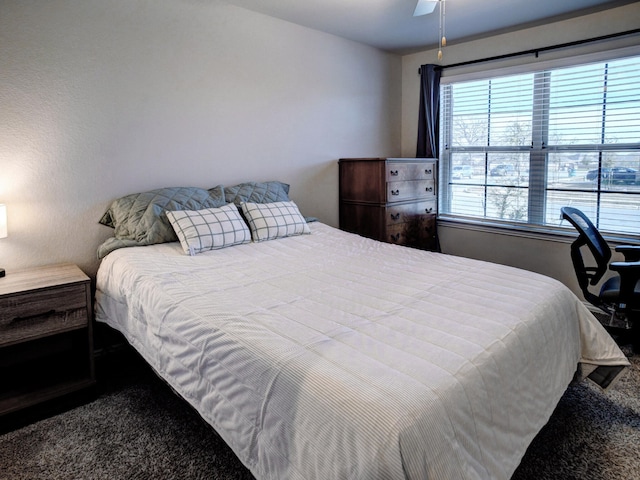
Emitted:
<point x="46" y="340"/>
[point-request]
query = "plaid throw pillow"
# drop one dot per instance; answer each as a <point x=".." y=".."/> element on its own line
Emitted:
<point x="209" y="229"/>
<point x="268" y="221"/>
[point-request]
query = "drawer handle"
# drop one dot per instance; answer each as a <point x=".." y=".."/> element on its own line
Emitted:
<point x="395" y="217"/>
<point x="395" y="192"/>
<point x="394" y="173"/>
<point x="428" y="210"/>
<point x="427" y="171"/>
<point x="395" y="237"/>
<point x="429" y="189"/>
<point x="28" y="318"/>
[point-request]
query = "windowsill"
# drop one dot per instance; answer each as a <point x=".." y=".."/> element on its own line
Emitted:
<point x="548" y="234"/>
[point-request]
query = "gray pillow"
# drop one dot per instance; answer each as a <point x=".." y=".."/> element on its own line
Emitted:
<point x="257" y="192"/>
<point x="141" y="216"/>
<point x="113" y="243"/>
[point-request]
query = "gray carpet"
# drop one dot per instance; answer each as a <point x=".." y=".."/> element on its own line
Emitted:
<point x="138" y="429"/>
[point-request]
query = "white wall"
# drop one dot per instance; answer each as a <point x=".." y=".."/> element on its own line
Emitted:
<point x="101" y="98"/>
<point x="544" y="256"/>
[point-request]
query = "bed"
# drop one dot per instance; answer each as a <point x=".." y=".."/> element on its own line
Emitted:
<point x="326" y="355"/>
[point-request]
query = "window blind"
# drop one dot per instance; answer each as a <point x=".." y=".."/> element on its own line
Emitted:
<point x="516" y="148"/>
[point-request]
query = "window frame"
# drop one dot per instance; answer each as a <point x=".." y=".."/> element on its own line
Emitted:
<point x="538" y="151"/>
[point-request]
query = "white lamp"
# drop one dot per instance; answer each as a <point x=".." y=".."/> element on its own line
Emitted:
<point x="3" y="229"/>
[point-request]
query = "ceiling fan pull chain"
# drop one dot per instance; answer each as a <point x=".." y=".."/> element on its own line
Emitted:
<point x="443" y="41"/>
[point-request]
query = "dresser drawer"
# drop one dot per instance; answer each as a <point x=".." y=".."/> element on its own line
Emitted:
<point x="408" y="190"/>
<point x="409" y="171"/>
<point x="36" y="314"/>
<point x="403" y="233"/>
<point x="419" y="232"/>
<point x="408" y="211"/>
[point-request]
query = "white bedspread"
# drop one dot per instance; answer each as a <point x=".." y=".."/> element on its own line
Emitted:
<point x="331" y="356"/>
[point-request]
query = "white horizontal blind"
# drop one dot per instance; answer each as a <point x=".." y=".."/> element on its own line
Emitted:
<point x="515" y="149"/>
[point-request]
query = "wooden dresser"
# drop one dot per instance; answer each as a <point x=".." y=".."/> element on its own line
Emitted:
<point x="390" y="199"/>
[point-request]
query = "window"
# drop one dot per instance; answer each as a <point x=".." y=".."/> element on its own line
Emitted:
<point x="537" y="141"/>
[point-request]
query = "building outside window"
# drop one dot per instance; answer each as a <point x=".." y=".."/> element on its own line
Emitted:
<point x="530" y="143"/>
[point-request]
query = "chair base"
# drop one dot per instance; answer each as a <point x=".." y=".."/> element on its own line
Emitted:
<point x="626" y="331"/>
<point x="626" y="336"/>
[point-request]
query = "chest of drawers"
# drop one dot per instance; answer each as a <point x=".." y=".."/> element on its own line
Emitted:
<point x="390" y="199"/>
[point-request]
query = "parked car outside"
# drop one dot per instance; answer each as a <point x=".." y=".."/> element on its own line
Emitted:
<point x="614" y="175"/>
<point x="502" y="170"/>
<point x="462" y="171"/>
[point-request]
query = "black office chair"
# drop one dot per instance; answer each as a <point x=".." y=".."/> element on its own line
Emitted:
<point x="619" y="295"/>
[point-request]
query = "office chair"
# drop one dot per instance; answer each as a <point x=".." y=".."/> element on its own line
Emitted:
<point x="619" y="296"/>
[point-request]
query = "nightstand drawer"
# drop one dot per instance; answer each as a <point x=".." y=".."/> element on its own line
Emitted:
<point x="35" y="314"/>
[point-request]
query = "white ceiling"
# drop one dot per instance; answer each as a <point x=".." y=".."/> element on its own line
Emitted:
<point x="390" y="25"/>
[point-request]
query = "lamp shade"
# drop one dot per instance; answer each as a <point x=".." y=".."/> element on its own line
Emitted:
<point x="3" y="221"/>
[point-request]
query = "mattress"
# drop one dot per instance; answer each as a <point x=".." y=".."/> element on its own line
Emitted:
<point x="332" y="356"/>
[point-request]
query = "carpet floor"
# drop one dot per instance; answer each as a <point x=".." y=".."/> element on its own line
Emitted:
<point x="138" y="429"/>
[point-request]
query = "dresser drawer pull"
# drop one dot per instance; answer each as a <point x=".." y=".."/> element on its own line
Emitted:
<point x="395" y="237"/>
<point x="428" y="210"/>
<point x="395" y="192"/>
<point x="429" y="189"/>
<point x="395" y="217"/>
<point x="394" y="173"/>
<point x="428" y="171"/>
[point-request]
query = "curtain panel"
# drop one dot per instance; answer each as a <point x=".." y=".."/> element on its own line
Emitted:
<point x="429" y="116"/>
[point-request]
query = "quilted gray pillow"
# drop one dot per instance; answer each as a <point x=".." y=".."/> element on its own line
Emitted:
<point x="257" y="192"/>
<point x="113" y="243"/>
<point x="141" y="216"/>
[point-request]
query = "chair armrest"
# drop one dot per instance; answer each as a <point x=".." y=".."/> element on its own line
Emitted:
<point x="629" y="277"/>
<point x="631" y="252"/>
<point x="627" y="267"/>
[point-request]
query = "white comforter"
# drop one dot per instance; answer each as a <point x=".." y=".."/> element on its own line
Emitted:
<point x="331" y="356"/>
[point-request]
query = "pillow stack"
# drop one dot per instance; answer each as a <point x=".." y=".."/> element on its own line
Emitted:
<point x="203" y="219"/>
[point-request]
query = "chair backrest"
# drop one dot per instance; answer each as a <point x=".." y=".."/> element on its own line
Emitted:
<point x="591" y="237"/>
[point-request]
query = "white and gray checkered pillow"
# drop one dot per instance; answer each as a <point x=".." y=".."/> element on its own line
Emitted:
<point x="209" y="229"/>
<point x="274" y="220"/>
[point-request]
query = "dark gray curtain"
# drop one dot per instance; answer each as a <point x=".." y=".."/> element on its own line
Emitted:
<point x="429" y="117"/>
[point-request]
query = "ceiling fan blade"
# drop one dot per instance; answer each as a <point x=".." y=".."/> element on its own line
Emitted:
<point x="425" y="7"/>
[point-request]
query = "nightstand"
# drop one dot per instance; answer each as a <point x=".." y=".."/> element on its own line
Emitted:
<point x="46" y="340"/>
